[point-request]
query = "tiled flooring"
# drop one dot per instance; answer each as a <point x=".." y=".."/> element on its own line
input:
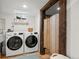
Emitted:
<point x="41" y="56"/>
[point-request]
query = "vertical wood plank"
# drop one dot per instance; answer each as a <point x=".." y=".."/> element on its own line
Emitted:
<point x="62" y="27"/>
<point x="42" y="50"/>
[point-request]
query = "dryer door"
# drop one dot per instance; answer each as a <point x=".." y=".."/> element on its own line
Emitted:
<point x="14" y="43"/>
<point x="31" y="41"/>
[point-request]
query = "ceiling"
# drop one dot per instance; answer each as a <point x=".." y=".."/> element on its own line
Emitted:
<point x="15" y="6"/>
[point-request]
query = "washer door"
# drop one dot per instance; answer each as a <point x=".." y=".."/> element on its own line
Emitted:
<point x="31" y="41"/>
<point x="14" y="43"/>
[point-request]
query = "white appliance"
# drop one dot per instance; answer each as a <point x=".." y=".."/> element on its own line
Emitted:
<point x="31" y="42"/>
<point x="14" y="43"/>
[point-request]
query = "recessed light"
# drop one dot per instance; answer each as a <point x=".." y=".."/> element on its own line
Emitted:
<point x="58" y="8"/>
<point x="24" y="6"/>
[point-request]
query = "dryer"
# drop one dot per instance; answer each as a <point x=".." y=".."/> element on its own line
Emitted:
<point x="31" y="42"/>
<point x="14" y="43"/>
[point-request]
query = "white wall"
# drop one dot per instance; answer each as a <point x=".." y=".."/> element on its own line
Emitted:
<point x="68" y="29"/>
<point x="2" y="27"/>
<point x="37" y="21"/>
<point x="9" y="19"/>
<point x="73" y="29"/>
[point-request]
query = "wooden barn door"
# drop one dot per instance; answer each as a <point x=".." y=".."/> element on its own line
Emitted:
<point x="47" y="35"/>
<point x="51" y="34"/>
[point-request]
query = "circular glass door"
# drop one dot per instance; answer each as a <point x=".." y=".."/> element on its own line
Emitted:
<point x="31" y="41"/>
<point x="14" y="43"/>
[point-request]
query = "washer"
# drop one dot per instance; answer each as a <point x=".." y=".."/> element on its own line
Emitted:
<point x="31" y="42"/>
<point x="14" y="43"/>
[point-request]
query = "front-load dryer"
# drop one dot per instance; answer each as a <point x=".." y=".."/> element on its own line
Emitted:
<point x="14" y="43"/>
<point x="31" y="42"/>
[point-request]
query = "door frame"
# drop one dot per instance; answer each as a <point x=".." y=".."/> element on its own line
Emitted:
<point x="62" y="26"/>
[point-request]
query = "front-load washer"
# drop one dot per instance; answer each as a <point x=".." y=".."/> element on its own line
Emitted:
<point x="31" y="42"/>
<point x="14" y="43"/>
